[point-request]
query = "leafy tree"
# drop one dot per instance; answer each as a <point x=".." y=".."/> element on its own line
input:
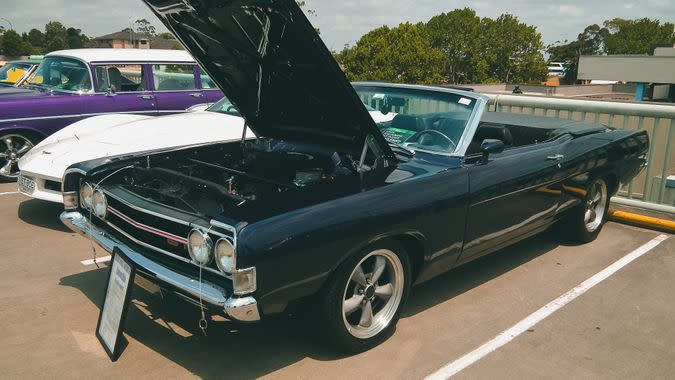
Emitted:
<point x="144" y="27"/>
<point x="457" y="35"/>
<point x="55" y="37"/>
<point x="75" y="38"/>
<point x="36" y="37"/>
<point x="400" y="54"/>
<point x="12" y="44"/>
<point x="486" y="50"/>
<point x="166" y="36"/>
<point x="636" y="36"/>
<point x="588" y="42"/>
<point x="512" y="51"/>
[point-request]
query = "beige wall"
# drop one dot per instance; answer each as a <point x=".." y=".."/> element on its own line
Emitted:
<point x="645" y="69"/>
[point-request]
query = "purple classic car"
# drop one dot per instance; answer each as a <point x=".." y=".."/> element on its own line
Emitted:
<point x="70" y="85"/>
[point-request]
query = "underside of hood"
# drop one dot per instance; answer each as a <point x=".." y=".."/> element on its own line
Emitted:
<point x="270" y="62"/>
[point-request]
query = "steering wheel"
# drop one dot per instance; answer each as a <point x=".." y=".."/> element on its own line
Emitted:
<point x="417" y="137"/>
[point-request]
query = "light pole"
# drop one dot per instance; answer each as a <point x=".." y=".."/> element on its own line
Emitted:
<point x="11" y="27"/>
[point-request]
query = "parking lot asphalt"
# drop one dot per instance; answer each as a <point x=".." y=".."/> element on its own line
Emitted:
<point x="622" y="328"/>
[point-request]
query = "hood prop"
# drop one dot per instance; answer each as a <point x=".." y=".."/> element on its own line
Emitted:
<point x="379" y="158"/>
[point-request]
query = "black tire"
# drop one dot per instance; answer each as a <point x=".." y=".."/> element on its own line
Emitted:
<point x="341" y="287"/>
<point x="585" y="228"/>
<point x="12" y="147"/>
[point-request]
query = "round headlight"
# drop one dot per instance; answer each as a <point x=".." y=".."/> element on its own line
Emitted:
<point x="99" y="204"/>
<point x="200" y="247"/>
<point x="225" y="255"/>
<point x="86" y="196"/>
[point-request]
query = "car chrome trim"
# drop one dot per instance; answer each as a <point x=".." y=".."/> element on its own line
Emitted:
<point x="147" y="228"/>
<point x="157" y="249"/>
<point x="238" y="308"/>
<point x="84" y="115"/>
<point x="244" y="309"/>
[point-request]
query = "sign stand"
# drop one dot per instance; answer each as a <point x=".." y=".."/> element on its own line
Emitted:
<point x="115" y="303"/>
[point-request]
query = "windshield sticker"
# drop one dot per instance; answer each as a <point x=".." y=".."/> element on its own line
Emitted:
<point x="464" y="101"/>
<point x="378" y="96"/>
<point x="397" y="135"/>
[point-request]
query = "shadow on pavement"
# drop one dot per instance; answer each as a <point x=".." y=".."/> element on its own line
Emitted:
<point x="42" y="214"/>
<point x="254" y="350"/>
<point x="480" y="271"/>
<point x="229" y="350"/>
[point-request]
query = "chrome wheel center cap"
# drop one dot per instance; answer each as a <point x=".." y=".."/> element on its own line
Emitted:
<point x="369" y="292"/>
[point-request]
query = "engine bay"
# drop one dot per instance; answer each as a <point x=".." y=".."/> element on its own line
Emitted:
<point x="214" y="179"/>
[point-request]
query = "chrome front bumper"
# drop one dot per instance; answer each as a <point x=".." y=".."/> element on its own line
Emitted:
<point x="243" y="309"/>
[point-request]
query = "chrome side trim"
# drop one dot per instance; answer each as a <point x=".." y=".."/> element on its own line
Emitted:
<point x="83" y="115"/>
<point x="238" y="308"/>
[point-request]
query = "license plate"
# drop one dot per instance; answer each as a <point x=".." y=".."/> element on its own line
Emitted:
<point x="26" y="184"/>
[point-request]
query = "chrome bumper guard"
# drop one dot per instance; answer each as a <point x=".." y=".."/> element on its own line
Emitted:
<point x="243" y="309"/>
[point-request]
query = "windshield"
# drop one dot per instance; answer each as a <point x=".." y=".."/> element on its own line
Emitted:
<point x="418" y="119"/>
<point x="224" y="106"/>
<point x="13" y="71"/>
<point x="60" y="73"/>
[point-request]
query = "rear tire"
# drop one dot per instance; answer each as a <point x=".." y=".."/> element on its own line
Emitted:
<point x="12" y="147"/>
<point x="587" y="219"/>
<point x="364" y="298"/>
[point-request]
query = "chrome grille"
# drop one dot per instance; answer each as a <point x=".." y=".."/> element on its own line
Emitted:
<point x="158" y="232"/>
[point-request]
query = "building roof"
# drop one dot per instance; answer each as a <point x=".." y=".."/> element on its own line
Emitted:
<point x="126" y="55"/>
<point x="121" y="35"/>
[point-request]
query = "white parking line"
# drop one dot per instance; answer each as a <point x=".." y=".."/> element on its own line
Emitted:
<point x="10" y="192"/>
<point x="99" y="260"/>
<point x="536" y="317"/>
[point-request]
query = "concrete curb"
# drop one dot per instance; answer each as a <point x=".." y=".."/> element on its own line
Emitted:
<point x="642" y="221"/>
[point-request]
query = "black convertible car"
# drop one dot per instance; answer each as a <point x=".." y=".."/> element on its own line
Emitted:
<point x="330" y="197"/>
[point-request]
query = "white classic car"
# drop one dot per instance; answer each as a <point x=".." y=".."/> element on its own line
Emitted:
<point x="42" y="168"/>
<point x="103" y="136"/>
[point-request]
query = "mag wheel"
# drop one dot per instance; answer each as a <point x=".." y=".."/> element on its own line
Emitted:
<point x="364" y="301"/>
<point x="12" y="148"/>
<point x="589" y="217"/>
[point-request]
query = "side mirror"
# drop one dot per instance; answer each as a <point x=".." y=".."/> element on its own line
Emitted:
<point x="490" y="146"/>
<point x="111" y="90"/>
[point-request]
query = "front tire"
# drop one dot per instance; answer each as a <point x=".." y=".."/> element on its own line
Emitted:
<point x="363" y="301"/>
<point x="589" y="217"/>
<point x="12" y="147"/>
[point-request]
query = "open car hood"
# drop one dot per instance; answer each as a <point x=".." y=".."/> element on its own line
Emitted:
<point x="271" y="64"/>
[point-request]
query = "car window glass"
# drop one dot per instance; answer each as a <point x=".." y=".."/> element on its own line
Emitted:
<point x="224" y="106"/>
<point x="12" y="72"/>
<point x="124" y="78"/>
<point x="174" y="77"/>
<point x="207" y="82"/>
<point x="61" y="73"/>
<point x="431" y="121"/>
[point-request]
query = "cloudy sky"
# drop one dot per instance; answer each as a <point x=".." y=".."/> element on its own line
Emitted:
<point x="344" y="21"/>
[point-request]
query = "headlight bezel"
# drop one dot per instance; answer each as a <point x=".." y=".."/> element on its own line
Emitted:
<point x="207" y="241"/>
<point x="229" y="243"/>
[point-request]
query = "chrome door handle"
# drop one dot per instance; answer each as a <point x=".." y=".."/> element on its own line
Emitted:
<point x="197" y="95"/>
<point x="146" y="97"/>
<point x="555" y="157"/>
